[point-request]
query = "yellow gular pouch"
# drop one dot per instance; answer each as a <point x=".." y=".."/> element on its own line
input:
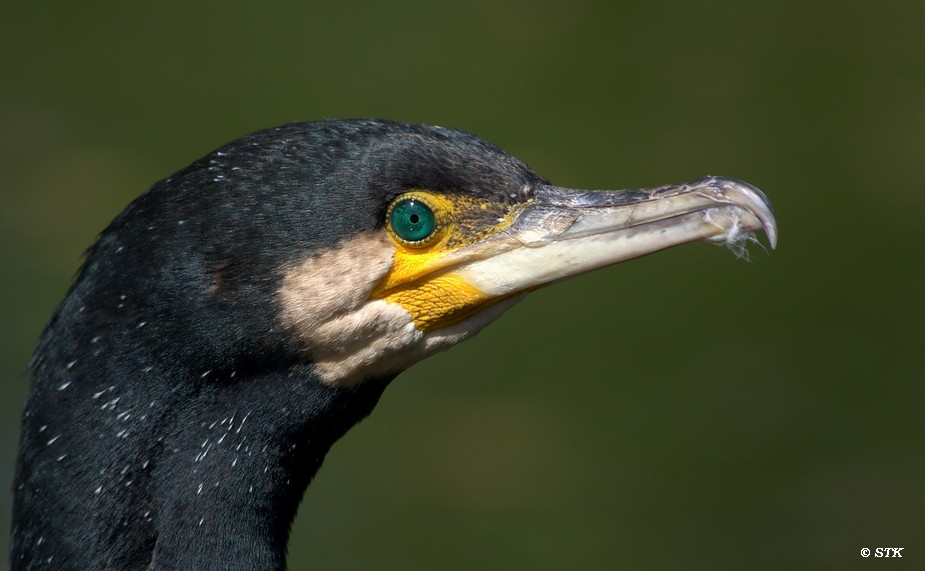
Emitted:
<point x="429" y="230"/>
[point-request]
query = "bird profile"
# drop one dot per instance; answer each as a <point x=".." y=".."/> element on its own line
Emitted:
<point x="241" y="315"/>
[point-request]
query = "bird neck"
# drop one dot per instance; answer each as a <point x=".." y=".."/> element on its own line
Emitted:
<point x="211" y="472"/>
<point x="244" y="469"/>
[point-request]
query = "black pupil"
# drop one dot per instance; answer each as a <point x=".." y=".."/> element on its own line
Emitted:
<point x="414" y="218"/>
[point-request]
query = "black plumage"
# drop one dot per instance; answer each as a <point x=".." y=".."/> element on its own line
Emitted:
<point x="170" y="339"/>
<point x="175" y="418"/>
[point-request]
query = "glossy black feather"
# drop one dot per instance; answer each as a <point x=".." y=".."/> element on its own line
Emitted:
<point x="171" y="418"/>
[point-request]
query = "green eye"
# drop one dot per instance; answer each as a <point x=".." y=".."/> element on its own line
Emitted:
<point x="412" y="220"/>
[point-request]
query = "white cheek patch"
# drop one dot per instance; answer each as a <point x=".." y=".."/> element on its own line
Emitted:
<point x="336" y="282"/>
<point x="380" y="339"/>
<point x="350" y="338"/>
<point x="373" y="341"/>
<point x="325" y="300"/>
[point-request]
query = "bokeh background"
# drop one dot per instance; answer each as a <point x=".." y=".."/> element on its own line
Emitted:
<point x="685" y="410"/>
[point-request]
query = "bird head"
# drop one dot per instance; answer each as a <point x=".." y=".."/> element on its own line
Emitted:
<point x="359" y="247"/>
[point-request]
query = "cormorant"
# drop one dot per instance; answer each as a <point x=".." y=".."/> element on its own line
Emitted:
<point x="240" y="316"/>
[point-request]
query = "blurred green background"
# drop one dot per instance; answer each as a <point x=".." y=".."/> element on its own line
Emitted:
<point x="683" y="410"/>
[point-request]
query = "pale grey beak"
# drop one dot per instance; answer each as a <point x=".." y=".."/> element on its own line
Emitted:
<point x="566" y="232"/>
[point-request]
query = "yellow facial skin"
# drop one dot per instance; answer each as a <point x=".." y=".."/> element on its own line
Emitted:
<point x="421" y="278"/>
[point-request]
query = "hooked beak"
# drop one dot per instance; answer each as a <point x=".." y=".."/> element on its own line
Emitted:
<point x="565" y="232"/>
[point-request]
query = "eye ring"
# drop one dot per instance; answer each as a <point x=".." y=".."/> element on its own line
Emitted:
<point x="412" y="220"/>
